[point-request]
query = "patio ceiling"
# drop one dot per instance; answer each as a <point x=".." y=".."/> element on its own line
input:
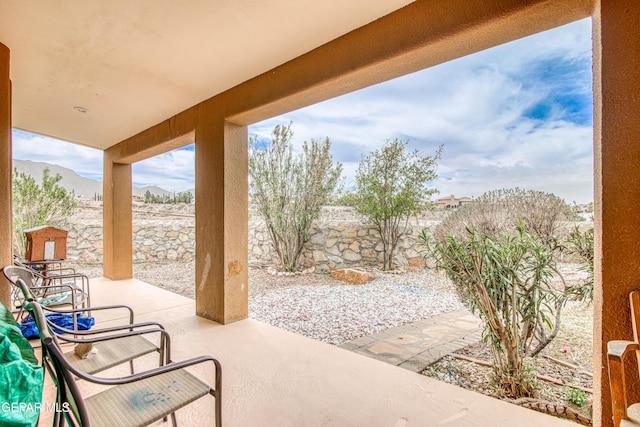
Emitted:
<point x="133" y="64"/>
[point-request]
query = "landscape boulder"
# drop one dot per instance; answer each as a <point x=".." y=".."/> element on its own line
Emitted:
<point x="353" y="276"/>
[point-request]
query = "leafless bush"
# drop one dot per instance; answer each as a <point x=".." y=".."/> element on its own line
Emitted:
<point x="500" y="211"/>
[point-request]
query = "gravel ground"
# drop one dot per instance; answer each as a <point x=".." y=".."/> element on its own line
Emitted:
<point x="320" y="307"/>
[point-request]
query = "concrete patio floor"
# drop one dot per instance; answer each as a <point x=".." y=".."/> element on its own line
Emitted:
<point x="271" y="377"/>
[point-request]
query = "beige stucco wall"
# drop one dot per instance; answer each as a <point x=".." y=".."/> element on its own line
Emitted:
<point x="424" y="34"/>
<point x="617" y="178"/>
<point x="6" y="257"/>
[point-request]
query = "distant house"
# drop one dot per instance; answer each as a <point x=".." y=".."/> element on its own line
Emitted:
<point x="452" y="202"/>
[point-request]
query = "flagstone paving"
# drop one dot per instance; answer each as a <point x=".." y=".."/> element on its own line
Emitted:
<point x="415" y="346"/>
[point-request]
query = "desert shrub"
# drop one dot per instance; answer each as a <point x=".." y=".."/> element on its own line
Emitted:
<point x="345" y="199"/>
<point x="289" y="190"/>
<point x="47" y="203"/>
<point x="576" y="397"/>
<point x="580" y="244"/>
<point x="505" y="280"/>
<point x="499" y="211"/>
<point x="540" y="214"/>
<point x="391" y="186"/>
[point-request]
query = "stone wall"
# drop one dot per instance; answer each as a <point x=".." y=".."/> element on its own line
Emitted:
<point x="339" y="244"/>
<point x="153" y="240"/>
<point x="337" y="241"/>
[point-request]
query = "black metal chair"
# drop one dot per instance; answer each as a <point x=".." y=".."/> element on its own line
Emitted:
<point x="115" y="345"/>
<point x="135" y="400"/>
<point x="48" y="291"/>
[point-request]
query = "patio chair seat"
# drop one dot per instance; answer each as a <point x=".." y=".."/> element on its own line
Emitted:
<point x="145" y="401"/>
<point x="633" y="416"/>
<point x="112" y="353"/>
<point x="63" y="298"/>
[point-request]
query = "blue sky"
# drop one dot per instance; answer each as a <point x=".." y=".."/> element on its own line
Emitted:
<point x="519" y="114"/>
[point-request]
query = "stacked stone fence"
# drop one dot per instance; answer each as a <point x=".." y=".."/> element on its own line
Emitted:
<point x="153" y="241"/>
<point x="338" y="240"/>
<point x="338" y="244"/>
<point x="334" y="243"/>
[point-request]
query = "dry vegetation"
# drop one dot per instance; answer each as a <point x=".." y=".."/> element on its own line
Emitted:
<point x="564" y="368"/>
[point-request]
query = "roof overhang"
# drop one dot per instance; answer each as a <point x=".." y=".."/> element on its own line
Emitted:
<point x="96" y="73"/>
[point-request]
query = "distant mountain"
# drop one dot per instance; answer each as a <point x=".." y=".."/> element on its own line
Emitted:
<point x="83" y="187"/>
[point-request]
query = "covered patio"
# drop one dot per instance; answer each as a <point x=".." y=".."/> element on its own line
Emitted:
<point x="276" y="378"/>
<point x="155" y="76"/>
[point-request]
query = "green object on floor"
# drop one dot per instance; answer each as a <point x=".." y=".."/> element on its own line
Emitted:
<point x="21" y="378"/>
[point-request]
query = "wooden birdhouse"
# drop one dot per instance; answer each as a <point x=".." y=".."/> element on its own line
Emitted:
<point x="45" y="243"/>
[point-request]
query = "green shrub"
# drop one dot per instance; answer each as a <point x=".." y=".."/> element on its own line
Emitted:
<point x="576" y="397"/>
<point x="505" y="280"/>
<point x="580" y="243"/>
<point x="540" y="214"/>
<point x="289" y="190"/>
<point x="36" y="204"/>
<point x="392" y="184"/>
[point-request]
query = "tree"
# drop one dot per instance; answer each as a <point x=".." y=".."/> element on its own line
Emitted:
<point x="35" y="205"/>
<point x="505" y="280"/>
<point x="184" y="197"/>
<point x="289" y="190"/>
<point x="391" y="186"/>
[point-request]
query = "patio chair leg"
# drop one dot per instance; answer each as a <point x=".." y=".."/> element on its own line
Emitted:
<point x="174" y="423"/>
<point x="19" y="315"/>
<point x="131" y="366"/>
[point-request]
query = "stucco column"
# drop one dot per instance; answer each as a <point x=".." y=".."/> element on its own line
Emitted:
<point x="221" y="219"/>
<point x="6" y="213"/>
<point x="117" y="220"/>
<point x="617" y="183"/>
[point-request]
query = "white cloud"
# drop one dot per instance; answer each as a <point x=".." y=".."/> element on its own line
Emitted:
<point x="483" y="108"/>
<point x="84" y="160"/>
<point x="173" y="171"/>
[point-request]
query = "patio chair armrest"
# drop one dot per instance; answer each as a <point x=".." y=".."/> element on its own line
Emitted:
<point x="130" y="327"/>
<point x="95" y="308"/>
<point x="59" y="273"/>
<point x="60" y="270"/>
<point x="616" y="352"/>
<point x="619" y="348"/>
<point x="174" y="366"/>
<point x="65" y="286"/>
<point x="54" y="289"/>
<point x="129" y="333"/>
<point x="75" y="279"/>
